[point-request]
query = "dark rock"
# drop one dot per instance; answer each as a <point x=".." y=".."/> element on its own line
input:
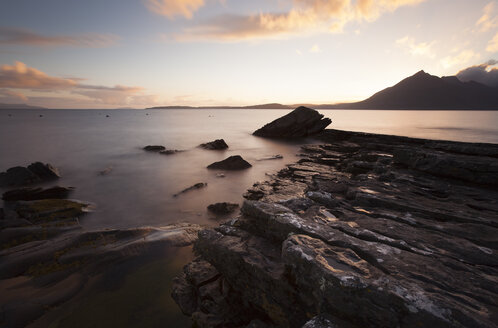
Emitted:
<point x="218" y="144"/>
<point x="155" y="148"/>
<point x="231" y="163"/>
<point x="170" y="151"/>
<point x="403" y="242"/>
<point x="199" y="185"/>
<point x="56" y="192"/>
<point x="223" y="208"/>
<point x="270" y="158"/>
<point x="2" y="216"/>
<point x="301" y="122"/>
<point x="34" y="173"/>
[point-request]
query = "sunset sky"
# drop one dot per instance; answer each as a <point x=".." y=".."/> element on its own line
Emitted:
<point x="140" y="53"/>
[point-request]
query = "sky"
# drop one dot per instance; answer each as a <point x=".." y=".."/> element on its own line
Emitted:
<point x="143" y="53"/>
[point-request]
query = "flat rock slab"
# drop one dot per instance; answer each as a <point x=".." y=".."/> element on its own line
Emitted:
<point x="56" y="192"/>
<point x="366" y="230"/>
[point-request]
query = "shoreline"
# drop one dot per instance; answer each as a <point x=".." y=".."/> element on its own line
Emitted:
<point x="322" y="186"/>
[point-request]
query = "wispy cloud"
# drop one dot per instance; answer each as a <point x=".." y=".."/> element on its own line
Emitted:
<point x="19" y="36"/>
<point x="489" y="18"/>
<point x="12" y="97"/>
<point x="172" y="8"/>
<point x="493" y="44"/>
<point x="305" y="16"/>
<point x="417" y="48"/>
<point x="17" y="77"/>
<point x="482" y="73"/>
<point x="315" y="49"/>
<point x="461" y="58"/>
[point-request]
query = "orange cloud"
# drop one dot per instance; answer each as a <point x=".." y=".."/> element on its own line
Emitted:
<point x="172" y="8"/>
<point x="493" y="44"/>
<point x="17" y="36"/>
<point x="416" y="48"/>
<point x="9" y="96"/>
<point x="20" y="76"/>
<point x="489" y="18"/>
<point x="305" y="16"/>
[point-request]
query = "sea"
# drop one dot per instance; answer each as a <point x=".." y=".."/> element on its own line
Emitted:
<point x="100" y="153"/>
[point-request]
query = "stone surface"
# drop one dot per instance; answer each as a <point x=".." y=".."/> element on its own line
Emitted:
<point x="198" y="185"/>
<point x="170" y="151"/>
<point x="223" y="208"/>
<point x="218" y="144"/>
<point x="301" y="122"/>
<point x="356" y="235"/>
<point x="231" y="163"/>
<point x="154" y="148"/>
<point x="56" y="192"/>
<point x="34" y="173"/>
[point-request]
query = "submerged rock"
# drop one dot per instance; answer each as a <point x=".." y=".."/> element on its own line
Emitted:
<point x="155" y="148"/>
<point x="34" y="173"/>
<point x="194" y="187"/>
<point x="56" y="192"/>
<point x="301" y="122"/>
<point x="170" y="151"/>
<point x="223" y="208"/>
<point x="231" y="163"/>
<point x="218" y="144"/>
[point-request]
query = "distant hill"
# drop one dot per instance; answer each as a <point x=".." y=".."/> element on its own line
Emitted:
<point x="425" y="91"/>
<point x="19" y="106"/>
<point x="263" y="106"/>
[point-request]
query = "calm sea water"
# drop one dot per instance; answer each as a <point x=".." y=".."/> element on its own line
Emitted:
<point x="138" y="190"/>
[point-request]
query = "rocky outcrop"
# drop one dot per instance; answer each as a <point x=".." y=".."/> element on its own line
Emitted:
<point x="170" y="151"/>
<point x="34" y="173"/>
<point x="231" y="163"/>
<point x="218" y="144"/>
<point x="301" y="122"/>
<point x="56" y="192"/>
<point x="354" y="236"/>
<point x="222" y="208"/>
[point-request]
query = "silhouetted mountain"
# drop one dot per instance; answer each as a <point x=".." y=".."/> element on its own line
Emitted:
<point x="264" y="106"/>
<point x="425" y="91"/>
<point x="19" y="106"/>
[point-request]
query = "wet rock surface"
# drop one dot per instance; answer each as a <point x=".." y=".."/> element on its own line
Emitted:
<point x="154" y="148"/>
<point x="222" y="208"/>
<point x="365" y="230"/>
<point x="218" y="144"/>
<point x="56" y="192"/>
<point x="196" y="186"/>
<point x="34" y="173"/>
<point x="231" y="163"/>
<point x="301" y="122"/>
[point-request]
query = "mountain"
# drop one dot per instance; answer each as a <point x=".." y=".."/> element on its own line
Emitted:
<point x="263" y="106"/>
<point x="425" y="91"/>
<point x="19" y="106"/>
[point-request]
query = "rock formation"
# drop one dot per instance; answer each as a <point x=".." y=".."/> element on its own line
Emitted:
<point x="231" y="163"/>
<point x="223" y="208"/>
<point x="364" y="231"/>
<point x="34" y="173"/>
<point x="218" y="144"/>
<point x="301" y="122"/>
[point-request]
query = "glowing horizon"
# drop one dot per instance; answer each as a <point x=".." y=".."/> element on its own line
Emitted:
<point x="145" y="53"/>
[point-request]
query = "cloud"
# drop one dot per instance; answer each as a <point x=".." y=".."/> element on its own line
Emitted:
<point x="463" y="57"/>
<point x="493" y="44"/>
<point x="172" y="8"/>
<point x="12" y="97"/>
<point x="18" y="36"/>
<point x="489" y="18"/>
<point x="21" y="77"/>
<point x="482" y="73"/>
<point x="315" y="49"/>
<point x="416" y="49"/>
<point x="305" y="16"/>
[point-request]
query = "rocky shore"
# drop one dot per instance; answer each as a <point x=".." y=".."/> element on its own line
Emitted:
<point x="364" y="231"/>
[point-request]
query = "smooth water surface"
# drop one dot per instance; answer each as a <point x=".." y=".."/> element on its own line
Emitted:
<point x="139" y="187"/>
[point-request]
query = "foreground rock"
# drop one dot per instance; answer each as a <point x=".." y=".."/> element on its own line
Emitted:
<point x="198" y="185"/>
<point x="222" y="208"/>
<point x="231" y="163"/>
<point x="301" y="122"/>
<point x="34" y="173"/>
<point x="56" y="192"/>
<point x="355" y="235"/>
<point x="218" y="144"/>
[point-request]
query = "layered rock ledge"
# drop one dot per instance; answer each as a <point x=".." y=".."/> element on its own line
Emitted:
<point x="364" y="231"/>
